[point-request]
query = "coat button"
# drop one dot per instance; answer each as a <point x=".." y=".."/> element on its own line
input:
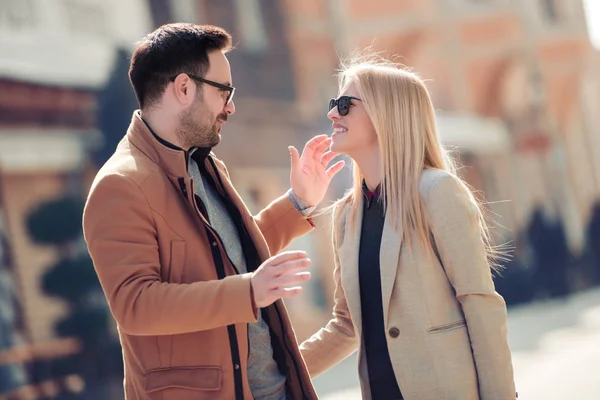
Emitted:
<point x="394" y="332"/>
<point x="237" y="366"/>
<point x="214" y="244"/>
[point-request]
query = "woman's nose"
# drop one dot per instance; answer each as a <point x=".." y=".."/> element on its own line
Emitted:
<point x="333" y="114"/>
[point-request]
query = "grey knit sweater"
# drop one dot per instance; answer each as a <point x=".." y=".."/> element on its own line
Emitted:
<point x="266" y="382"/>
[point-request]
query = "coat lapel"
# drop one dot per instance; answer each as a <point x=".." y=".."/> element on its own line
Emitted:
<point x="348" y="254"/>
<point x="391" y="242"/>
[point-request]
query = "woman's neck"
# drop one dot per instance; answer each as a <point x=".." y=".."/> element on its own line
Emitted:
<point x="370" y="165"/>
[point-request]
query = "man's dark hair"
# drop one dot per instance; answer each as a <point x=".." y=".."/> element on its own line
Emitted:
<point x="170" y="50"/>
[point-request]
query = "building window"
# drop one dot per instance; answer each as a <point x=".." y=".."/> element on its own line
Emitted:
<point x="184" y="11"/>
<point x="160" y="11"/>
<point x="550" y="10"/>
<point x="251" y="25"/>
<point x="17" y="14"/>
<point x="86" y="17"/>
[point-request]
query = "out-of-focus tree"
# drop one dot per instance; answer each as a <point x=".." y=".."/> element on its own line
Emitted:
<point x="116" y="103"/>
<point x="72" y="279"/>
<point x="12" y="375"/>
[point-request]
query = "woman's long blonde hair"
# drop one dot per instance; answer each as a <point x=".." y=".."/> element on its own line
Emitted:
<point x="400" y="108"/>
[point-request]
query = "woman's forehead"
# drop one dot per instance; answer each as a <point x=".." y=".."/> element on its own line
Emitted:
<point x="349" y="88"/>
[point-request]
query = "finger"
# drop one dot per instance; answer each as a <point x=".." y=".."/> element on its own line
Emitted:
<point x="294" y="157"/>
<point x="289" y="280"/>
<point x="285" y="256"/>
<point x="321" y="148"/>
<point x="316" y="140"/>
<point x="335" y="168"/>
<point x="312" y="144"/>
<point x="287" y="292"/>
<point x="290" y="267"/>
<point x="327" y="157"/>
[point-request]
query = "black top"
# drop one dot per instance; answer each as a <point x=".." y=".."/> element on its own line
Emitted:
<point x="381" y="374"/>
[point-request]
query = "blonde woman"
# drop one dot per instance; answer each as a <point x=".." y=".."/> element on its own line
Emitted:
<point x="414" y="291"/>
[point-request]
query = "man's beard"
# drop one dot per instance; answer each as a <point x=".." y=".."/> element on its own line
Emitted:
<point x="198" y="127"/>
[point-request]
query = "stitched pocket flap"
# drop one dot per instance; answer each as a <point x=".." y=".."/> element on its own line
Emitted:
<point x="447" y="327"/>
<point x="193" y="378"/>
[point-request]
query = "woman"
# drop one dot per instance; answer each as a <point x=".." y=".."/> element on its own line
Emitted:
<point x="414" y="290"/>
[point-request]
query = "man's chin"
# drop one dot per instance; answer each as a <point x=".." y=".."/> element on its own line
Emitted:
<point x="216" y="140"/>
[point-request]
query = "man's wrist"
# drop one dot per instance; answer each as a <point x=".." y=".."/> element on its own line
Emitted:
<point x="300" y="204"/>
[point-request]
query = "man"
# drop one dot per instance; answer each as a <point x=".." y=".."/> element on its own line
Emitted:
<point x="186" y="269"/>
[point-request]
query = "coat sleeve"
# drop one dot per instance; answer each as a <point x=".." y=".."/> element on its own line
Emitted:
<point x="280" y="222"/>
<point x="337" y="340"/>
<point x="122" y="241"/>
<point x="455" y="225"/>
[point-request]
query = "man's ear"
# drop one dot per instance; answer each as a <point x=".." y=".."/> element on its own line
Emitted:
<point x="182" y="89"/>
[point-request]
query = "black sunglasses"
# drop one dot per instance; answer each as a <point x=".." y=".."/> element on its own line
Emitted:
<point x="218" y="85"/>
<point x="343" y="104"/>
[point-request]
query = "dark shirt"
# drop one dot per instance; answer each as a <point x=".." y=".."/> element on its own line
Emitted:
<point x="381" y="374"/>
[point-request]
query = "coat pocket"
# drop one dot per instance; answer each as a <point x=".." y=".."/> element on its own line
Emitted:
<point x="200" y="378"/>
<point x="447" y="327"/>
<point x="176" y="261"/>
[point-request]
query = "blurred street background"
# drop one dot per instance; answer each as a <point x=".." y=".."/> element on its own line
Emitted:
<point x="517" y="87"/>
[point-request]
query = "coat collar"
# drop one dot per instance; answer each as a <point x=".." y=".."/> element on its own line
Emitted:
<point x="348" y="260"/>
<point x="173" y="159"/>
<point x="370" y="195"/>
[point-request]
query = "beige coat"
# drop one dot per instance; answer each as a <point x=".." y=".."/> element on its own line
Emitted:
<point x="446" y="326"/>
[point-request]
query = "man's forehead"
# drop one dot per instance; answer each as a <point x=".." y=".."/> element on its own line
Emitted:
<point x="219" y="69"/>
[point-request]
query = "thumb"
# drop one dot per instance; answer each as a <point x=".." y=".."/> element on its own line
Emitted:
<point x="295" y="156"/>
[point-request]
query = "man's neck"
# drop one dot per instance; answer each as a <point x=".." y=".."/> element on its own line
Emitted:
<point x="162" y="126"/>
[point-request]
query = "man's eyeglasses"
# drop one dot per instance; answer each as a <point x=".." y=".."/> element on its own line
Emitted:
<point x="229" y="89"/>
<point x="343" y="104"/>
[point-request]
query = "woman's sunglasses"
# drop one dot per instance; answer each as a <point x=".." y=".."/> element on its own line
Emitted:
<point x="343" y="104"/>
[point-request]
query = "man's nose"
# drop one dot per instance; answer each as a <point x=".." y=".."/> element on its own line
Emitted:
<point x="230" y="108"/>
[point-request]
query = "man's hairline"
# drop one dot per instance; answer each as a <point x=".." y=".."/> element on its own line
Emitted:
<point x="224" y="50"/>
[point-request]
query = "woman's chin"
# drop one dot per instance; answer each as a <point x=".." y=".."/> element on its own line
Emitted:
<point x="336" y="145"/>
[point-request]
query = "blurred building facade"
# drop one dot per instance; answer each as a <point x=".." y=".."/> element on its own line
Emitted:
<point x="12" y="375"/>
<point x="516" y="83"/>
<point x="56" y="56"/>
